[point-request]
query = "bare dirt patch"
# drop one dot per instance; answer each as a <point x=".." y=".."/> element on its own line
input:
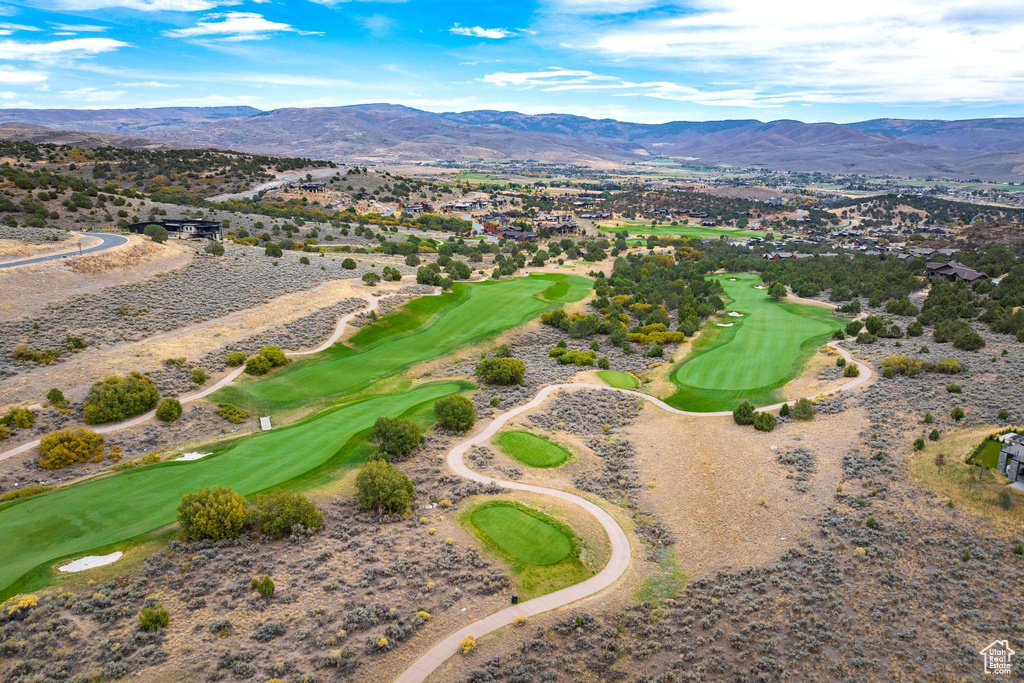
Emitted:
<point x="28" y="289"/>
<point x="721" y="491"/>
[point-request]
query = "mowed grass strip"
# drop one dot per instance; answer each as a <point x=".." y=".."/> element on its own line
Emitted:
<point x="84" y="518"/>
<point x="542" y="552"/>
<point x="423" y="329"/>
<point x="640" y="228"/>
<point x="617" y="379"/>
<point x="532" y="450"/>
<point x="762" y="350"/>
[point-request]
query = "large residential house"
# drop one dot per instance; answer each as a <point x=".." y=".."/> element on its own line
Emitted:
<point x="954" y="271"/>
<point x="1011" y="456"/>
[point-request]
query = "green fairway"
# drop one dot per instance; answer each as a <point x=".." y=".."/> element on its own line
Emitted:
<point x="619" y="380"/>
<point x="423" y="329"/>
<point x="641" y="228"/>
<point x="531" y="449"/>
<point x="755" y="356"/>
<point x="92" y="516"/>
<point x="542" y="552"/>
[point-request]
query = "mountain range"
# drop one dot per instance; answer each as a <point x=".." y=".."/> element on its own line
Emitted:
<point x="990" y="149"/>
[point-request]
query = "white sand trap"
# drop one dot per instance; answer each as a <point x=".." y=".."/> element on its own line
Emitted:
<point x="734" y="314"/>
<point x="725" y="324"/>
<point x="91" y="562"/>
<point x="194" y="456"/>
<point x="732" y="279"/>
<point x="759" y="287"/>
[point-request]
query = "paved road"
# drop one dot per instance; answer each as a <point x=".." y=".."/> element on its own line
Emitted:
<point x="108" y="241"/>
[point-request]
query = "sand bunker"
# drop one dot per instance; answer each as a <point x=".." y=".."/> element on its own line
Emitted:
<point x="193" y="456"/>
<point x="91" y="561"/>
<point x="725" y="324"/>
<point x="759" y="287"/>
<point x="734" y="314"/>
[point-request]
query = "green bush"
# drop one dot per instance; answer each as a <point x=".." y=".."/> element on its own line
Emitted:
<point x="744" y="413"/>
<point x="156" y="617"/>
<point x="275" y="355"/>
<point x="214" y="249"/>
<point x="18" y="418"/>
<point x="968" y="340"/>
<point x="603" y="363"/>
<point x="304" y="260"/>
<point x="198" y="376"/>
<point x="395" y="438"/>
<point x="957" y="414"/>
<point x="915" y="329"/>
<point x="918" y="444"/>
<point x="371" y="278"/>
<point x="212" y="514"/>
<point x="764" y="422"/>
<point x="276" y="514"/>
<point x="383" y="488"/>
<point x="784" y="410"/>
<point x="803" y="410"/>
<point x="455" y="413"/>
<point x="118" y="398"/>
<point x="55" y="397"/>
<point x="273" y="250"/>
<point x="69" y="446"/>
<point x="502" y="371"/>
<point x="933" y="435"/>
<point x="851" y="370"/>
<point x="168" y="410"/>
<point x="232" y="414"/>
<point x="348" y="264"/>
<point x="954" y="388"/>
<point x="258" y="365"/>
<point x="234" y="359"/>
<point x="840" y="362"/>
<point x="157" y="233"/>
<point x="265" y="586"/>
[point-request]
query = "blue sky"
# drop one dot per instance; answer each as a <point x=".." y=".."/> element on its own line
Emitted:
<point x="634" y="60"/>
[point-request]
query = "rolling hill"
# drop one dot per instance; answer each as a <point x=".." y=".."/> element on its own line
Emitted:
<point x="991" y="149"/>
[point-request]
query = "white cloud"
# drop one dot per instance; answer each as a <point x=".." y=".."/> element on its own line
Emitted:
<point x="17" y="27"/>
<point x="11" y="76"/>
<point x="147" y="5"/>
<point x="79" y="28"/>
<point x="147" y="84"/>
<point x="53" y="50"/>
<point x="481" y="32"/>
<point x="91" y="95"/>
<point x="235" y="26"/>
<point x="886" y="52"/>
<point x="557" y="79"/>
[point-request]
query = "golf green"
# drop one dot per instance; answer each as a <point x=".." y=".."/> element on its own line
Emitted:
<point x="523" y="535"/>
<point x="531" y="449"/>
<point x="639" y="228"/>
<point x="617" y="379"/>
<point x="751" y="356"/>
<point x="98" y="513"/>
<point x="423" y="329"/>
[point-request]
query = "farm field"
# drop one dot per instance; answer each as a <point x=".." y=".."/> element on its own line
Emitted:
<point x="542" y="552"/>
<point x="425" y="328"/>
<point x="618" y="379"/>
<point x="531" y="449"/>
<point x="96" y="514"/>
<point x="644" y="228"/>
<point x="754" y="357"/>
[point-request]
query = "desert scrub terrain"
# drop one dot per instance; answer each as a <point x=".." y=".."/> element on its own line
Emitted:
<point x="884" y="577"/>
